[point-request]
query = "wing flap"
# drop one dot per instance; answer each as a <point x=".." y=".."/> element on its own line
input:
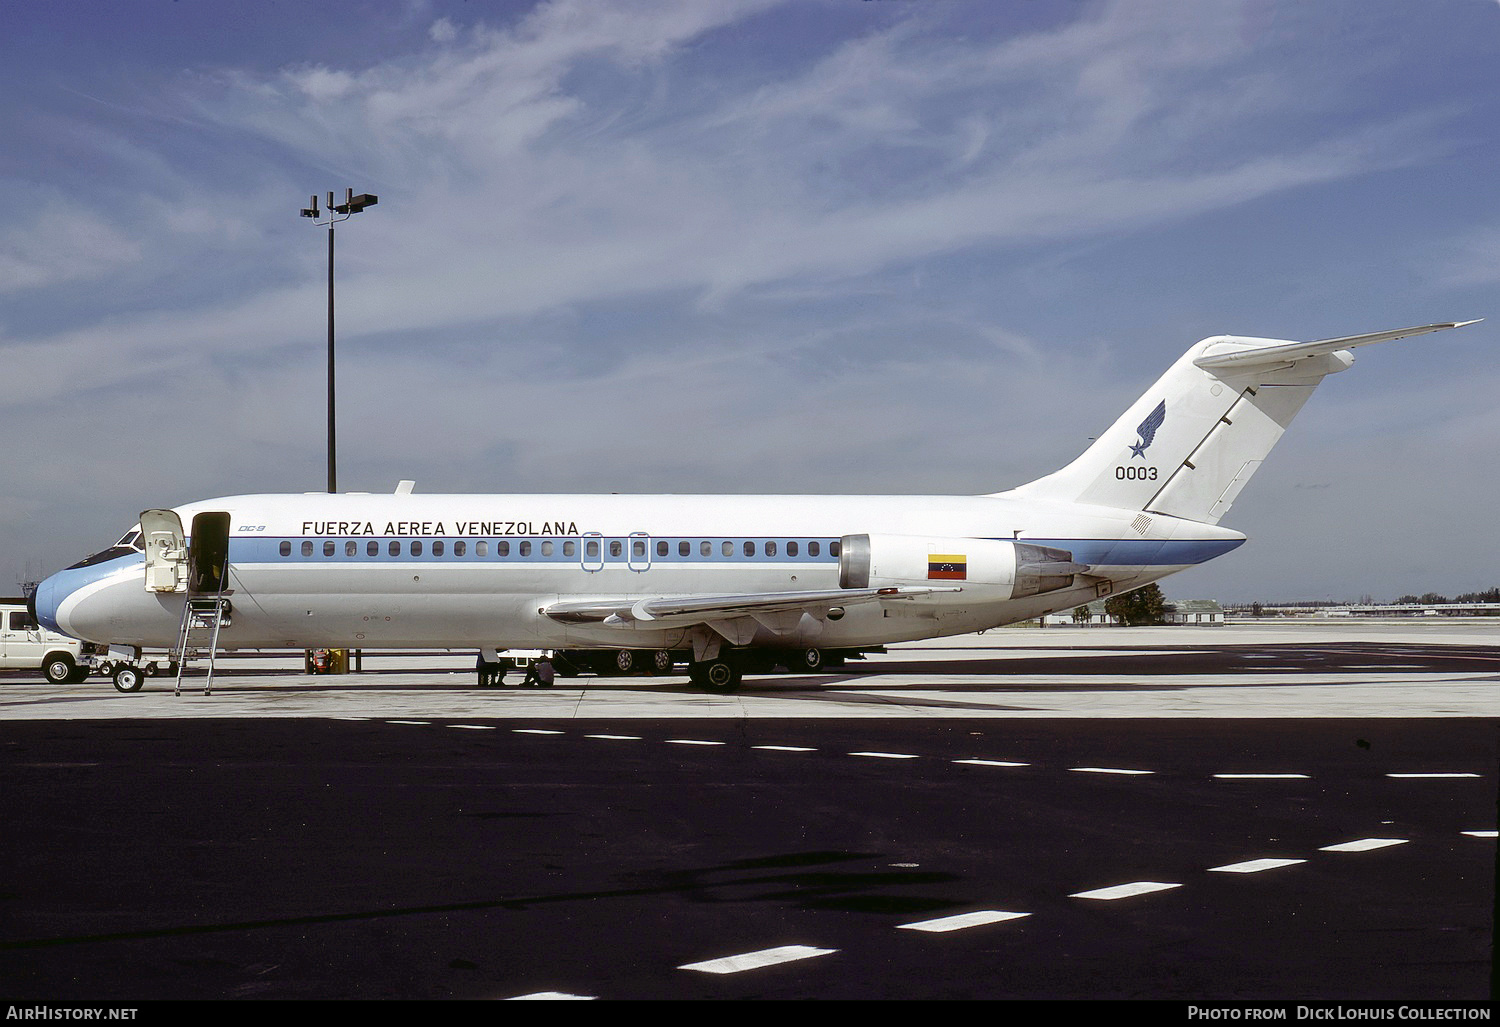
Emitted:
<point x="677" y="611"/>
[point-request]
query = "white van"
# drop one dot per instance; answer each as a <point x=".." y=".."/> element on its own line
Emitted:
<point x="24" y="645"/>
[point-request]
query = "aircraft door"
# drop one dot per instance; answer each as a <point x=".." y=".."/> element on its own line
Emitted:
<point x="166" y="551"/>
<point x="639" y="556"/>
<point x="208" y="558"/>
<point x="591" y="552"/>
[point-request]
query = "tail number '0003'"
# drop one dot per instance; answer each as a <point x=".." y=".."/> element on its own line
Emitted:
<point x="1135" y="473"/>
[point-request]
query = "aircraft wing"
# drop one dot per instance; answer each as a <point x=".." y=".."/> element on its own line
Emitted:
<point x="1275" y="352"/>
<point x="681" y="611"/>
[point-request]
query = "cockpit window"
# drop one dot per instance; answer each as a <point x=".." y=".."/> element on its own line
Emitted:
<point x="131" y="540"/>
<point x="129" y="545"/>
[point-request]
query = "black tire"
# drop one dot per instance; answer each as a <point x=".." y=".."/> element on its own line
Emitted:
<point x="105" y="669"/>
<point x="719" y="675"/>
<point x="805" y="661"/>
<point x="624" y="661"/>
<point x="58" y="668"/>
<point x="128" y="678"/>
<point x="662" y="661"/>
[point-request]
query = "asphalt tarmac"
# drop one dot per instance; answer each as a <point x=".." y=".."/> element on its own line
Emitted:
<point x="1193" y="817"/>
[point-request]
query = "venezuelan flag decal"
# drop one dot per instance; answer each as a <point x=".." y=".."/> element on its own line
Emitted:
<point x="947" y="566"/>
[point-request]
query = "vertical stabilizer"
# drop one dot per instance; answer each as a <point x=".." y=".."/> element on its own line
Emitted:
<point x="1188" y="446"/>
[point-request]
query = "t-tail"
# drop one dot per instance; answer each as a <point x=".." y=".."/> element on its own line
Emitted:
<point x="1188" y="446"/>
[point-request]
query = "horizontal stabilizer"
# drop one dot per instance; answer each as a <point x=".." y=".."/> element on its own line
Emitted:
<point x="1237" y="354"/>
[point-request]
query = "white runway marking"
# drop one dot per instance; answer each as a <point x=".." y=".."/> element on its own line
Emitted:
<point x="554" y="995"/>
<point x="784" y="748"/>
<point x="534" y="731"/>
<point x="1108" y="770"/>
<point x="691" y="741"/>
<point x="1261" y="777"/>
<point x="756" y="960"/>
<point x="1363" y="845"/>
<point x="992" y="763"/>
<point x="408" y="722"/>
<point x="1480" y="834"/>
<point x="1453" y="774"/>
<point x="617" y="738"/>
<point x="474" y="727"/>
<point x="1123" y="891"/>
<point x="1254" y="866"/>
<point x="886" y="755"/>
<point x="961" y="921"/>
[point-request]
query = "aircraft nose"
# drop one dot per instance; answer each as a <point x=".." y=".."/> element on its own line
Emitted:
<point x="44" y="602"/>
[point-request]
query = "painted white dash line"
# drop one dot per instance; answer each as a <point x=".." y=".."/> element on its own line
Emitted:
<point x="1453" y="774"/>
<point x="617" y="738"/>
<point x="992" y="763"/>
<point x="1108" y="770"/>
<point x="1261" y="777"/>
<point x="1481" y="834"/>
<point x="691" y="741"/>
<point x="551" y="995"/>
<point x="534" y="731"/>
<point x="756" y="960"/>
<point x="473" y="727"/>
<point x="1363" y="845"/>
<point x="886" y="755"/>
<point x="784" y="748"/>
<point x="1254" y="866"/>
<point x="408" y="722"/>
<point x="1123" y="891"/>
<point x="963" y="920"/>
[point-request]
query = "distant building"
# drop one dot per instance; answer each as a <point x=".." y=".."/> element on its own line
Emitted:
<point x="1192" y="612"/>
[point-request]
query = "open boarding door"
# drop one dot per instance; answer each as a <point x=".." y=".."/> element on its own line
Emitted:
<point x="166" y="551"/>
<point x="208" y="557"/>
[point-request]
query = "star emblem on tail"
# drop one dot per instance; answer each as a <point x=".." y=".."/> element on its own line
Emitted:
<point x="1147" y="430"/>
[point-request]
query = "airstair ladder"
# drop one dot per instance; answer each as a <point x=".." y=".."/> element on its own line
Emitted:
<point x="199" y="633"/>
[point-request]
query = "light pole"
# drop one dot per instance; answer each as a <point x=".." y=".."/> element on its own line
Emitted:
<point x="336" y="212"/>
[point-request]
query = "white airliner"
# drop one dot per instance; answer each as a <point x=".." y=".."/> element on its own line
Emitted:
<point x="722" y="577"/>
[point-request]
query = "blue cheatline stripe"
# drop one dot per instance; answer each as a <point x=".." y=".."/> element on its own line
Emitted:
<point x="1139" y="552"/>
<point x="268" y="550"/>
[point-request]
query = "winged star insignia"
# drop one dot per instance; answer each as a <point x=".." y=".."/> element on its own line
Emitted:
<point x="1147" y="430"/>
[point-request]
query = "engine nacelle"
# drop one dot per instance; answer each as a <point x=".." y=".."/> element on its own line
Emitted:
<point x="879" y="561"/>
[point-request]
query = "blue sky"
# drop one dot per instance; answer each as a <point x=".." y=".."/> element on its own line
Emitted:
<point x="884" y="246"/>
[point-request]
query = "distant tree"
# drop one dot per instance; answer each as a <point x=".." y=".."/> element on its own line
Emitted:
<point x="1080" y="615"/>
<point x="1145" y="605"/>
<point x="1432" y="597"/>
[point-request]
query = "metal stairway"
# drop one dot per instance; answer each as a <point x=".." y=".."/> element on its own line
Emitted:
<point x="202" y="616"/>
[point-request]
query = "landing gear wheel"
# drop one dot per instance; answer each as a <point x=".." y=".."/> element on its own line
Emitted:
<point x="661" y="661"/>
<point x="128" y="678"/>
<point x="624" y="661"/>
<point x="719" y="675"/>
<point x="59" y="669"/>
<point x="804" y="661"/>
<point x="105" y="669"/>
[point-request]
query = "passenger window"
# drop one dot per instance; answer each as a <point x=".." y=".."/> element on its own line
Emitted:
<point x="770" y="548"/>
<point x="812" y="549"/>
<point x="502" y="548"/>
<point x="705" y="548"/>
<point x="328" y="548"/>
<point x="351" y="548"/>
<point x="684" y="549"/>
<point x="791" y="549"/>
<point x="570" y="548"/>
<point x="460" y="548"/>
<point x="286" y="549"/>
<point x="416" y="549"/>
<point x="437" y="549"/>
<point x="833" y="549"/>
<point x="394" y="548"/>
<point x="749" y="548"/>
<point x="524" y="548"/>
<point x="546" y="548"/>
<point x="481" y="549"/>
<point x="307" y="549"/>
<point x="373" y="548"/>
<point x="661" y="549"/>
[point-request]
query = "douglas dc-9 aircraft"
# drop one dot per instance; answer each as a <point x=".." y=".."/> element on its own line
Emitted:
<point x="724" y="577"/>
